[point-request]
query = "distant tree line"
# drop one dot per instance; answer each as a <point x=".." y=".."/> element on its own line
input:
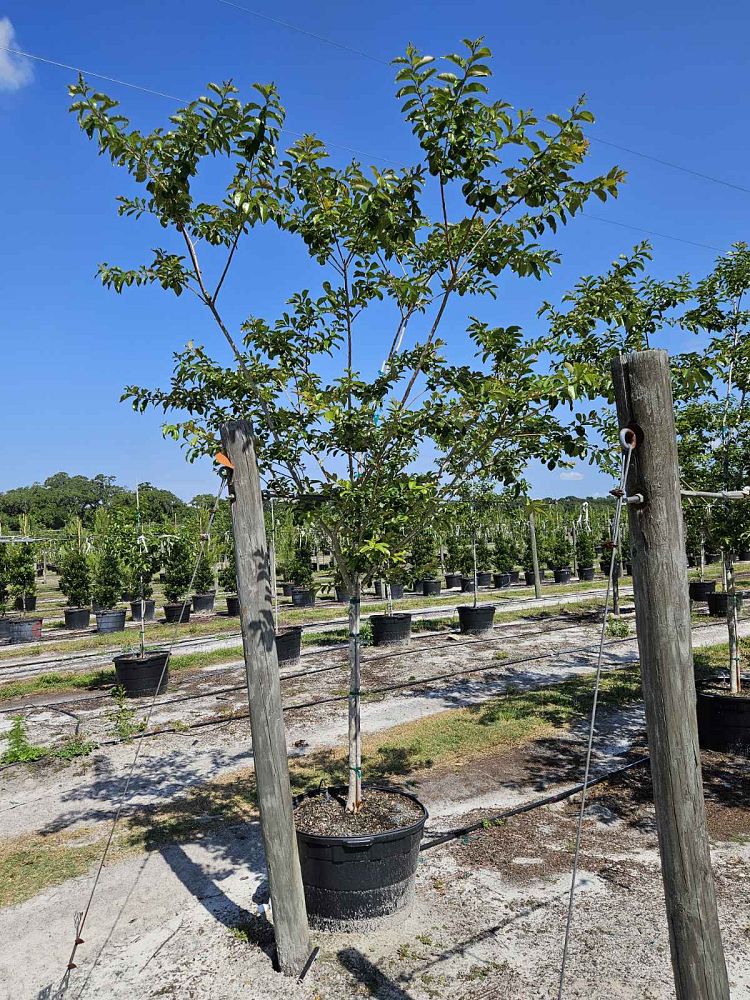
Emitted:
<point x="51" y="504"/>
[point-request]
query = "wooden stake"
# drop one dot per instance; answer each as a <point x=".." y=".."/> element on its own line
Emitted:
<point x="534" y="554"/>
<point x="264" y="694"/>
<point x="644" y="401"/>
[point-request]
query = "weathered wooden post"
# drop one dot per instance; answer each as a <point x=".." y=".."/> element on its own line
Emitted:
<point x="264" y="694"/>
<point x="534" y="554"/>
<point x="644" y="403"/>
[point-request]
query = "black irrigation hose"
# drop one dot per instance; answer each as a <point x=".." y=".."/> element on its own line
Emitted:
<point x="319" y="670"/>
<point x="381" y="690"/>
<point x="464" y="831"/>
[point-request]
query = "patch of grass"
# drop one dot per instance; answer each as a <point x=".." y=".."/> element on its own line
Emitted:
<point x="123" y="718"/>
<point x="21" y="750"/>
<point x="618" y="628"/>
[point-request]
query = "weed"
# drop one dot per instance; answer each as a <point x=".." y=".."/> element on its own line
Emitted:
<point x="618" y="628"/>
<point x="19" y="748"/>
<point x="123" y="717"/>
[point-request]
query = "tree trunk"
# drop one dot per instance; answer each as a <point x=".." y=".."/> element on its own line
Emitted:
<point x="575" y="550"/>
<point x="474" y="557"/>
<point x="354" y="798"/>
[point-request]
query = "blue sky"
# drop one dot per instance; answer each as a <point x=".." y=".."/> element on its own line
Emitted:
<point x="667" y="79"/>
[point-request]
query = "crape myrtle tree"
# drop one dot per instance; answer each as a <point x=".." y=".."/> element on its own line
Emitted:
<point x="406" y="257"/>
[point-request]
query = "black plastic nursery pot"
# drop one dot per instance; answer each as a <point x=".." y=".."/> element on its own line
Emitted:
<point x="501" y="580"/>
<point x="143" y="675"/>
<point x="27" y="603"/>
<point x="691" y="561"/>
<point x="700" y="589"/>
<point x="233" y="605"/>
<point x="718" y="604"/>
<point x="77" y="618"/>
<point x="562" y="576"/>
<point x="177" y="613"/>
<point x="352" y="882"/>
<point x="713" y="557"/>
<point x="203" y="603"/>
<point x="628" y="569"/>
<point x="110" y="620"/>
<point x="289" y="644"/>
<point x="378" y="588"/>
<point x="723" y="721"/>
<point x="303" y="598"/>
<point x="343" y="596"/>
<point x="467" y="584"/>
<point x="24" y="629"/>
<point x="397" y="591"/>
<point x="391" y="630"/>
<point x="514" y="574"/>
<point x="744" y="555"/>
<point x="484" y="579"/>
<point x="286" y="589"/>
<point x="4" y="627"/>
<point x="431" y="588"/>
<point x="604" y="567"/>
<point x="149" y="610"/>
<point x="586" y="573"/>
<point x="476" y="621"/>
<point x="452" y="580"/>
<point x="528" y="577"/>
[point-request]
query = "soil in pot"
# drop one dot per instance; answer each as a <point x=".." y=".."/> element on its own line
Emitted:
<point x="586" y="573"/>
<point x="719" y="603"/>
<point x="289" y="644"/>
<point x="390" y="630"/>
<point x="452" y="580"/>
<point x="476" y="621"/>
<point x="431" y="588"/>
<point x="203" y="603"/>
<point x="149" y="610"/>
<point x="233" y="605"/>
<point x="302" y="598"/>
<point x="501" y="580"/>
<point x="358" y="869"/>
<point x="24" y="629"/>
<point x="723" y="719"/>
<point x="110" y="620"/>
<point x="700" y="589"/>
<point x="27" y="603"/>
<point x="147" y="675"/>
<point x="77" y="618"/>
<point x="562" y="576"/>
<point x="177" y="613"/>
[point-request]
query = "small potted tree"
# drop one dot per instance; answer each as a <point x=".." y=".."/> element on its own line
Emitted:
<point x="484" y="561"/>
<point x="585" y="553"/>
<point x="4" y="620"/>
<point x="22" y="586"/>
<point x="75" y="583"/>
<point x="204" y="585"/>
<point x="560" y="555"/>
<point x="140" y="560"/>
<point x="303" y="578"/>
<point x="228" y="583"/>
<point x="178" y="572"/>
<point x="502" y="562"/>
<point x="454" y="547"/>
<point x="425" y="564"/>
<point x="528" y="565"/>
<point x="107" y="586"/>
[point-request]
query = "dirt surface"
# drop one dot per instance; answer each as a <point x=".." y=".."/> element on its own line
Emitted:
<point x="381" y="811"/>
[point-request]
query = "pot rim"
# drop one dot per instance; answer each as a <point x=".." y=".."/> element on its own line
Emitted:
<point x="364" y="839"/>
<point x="288" y="630"/>
<point x="478" y="607"/>
<point x="149" y="654"/>
<point x="400" y="615"/>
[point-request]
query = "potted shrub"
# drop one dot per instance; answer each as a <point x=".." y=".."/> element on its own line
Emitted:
<point x="106" y="588"/>
<point x="139" y="562"/>
<point x="303" y="578"/>
<point x="503" y="563"/>
<point x="75" y="583"/>
<point x="228" y="583"/>
<point x="560" y="554"/>
<point x="341" y="591"/>
<point x="178" y="573"/>
<point x="585" y="553"/>
<point x="474" y="619"/>
<point x="528" y="565"/>
<point x="4" y="620"/>
<point x="204" y="585"/>
<point x="484" y="561"/>
<point x="22" y="575"/>
<point x="425" y="565"/>
<point x="454" y="548"/>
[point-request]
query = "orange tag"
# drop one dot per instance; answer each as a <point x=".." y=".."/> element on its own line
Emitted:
<point x="222" y="459"/>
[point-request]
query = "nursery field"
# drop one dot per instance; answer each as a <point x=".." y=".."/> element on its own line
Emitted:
<point x="502" y="727"/>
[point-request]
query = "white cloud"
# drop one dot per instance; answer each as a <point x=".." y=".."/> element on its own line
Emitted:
<point x="571" y="475"/>
<point x="15" y="71"/>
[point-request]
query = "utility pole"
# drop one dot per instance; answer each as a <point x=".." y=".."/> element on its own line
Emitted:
<point x="643" y="393"/>
<point x="534" y="554"/>
<point x="254" y="591"/>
